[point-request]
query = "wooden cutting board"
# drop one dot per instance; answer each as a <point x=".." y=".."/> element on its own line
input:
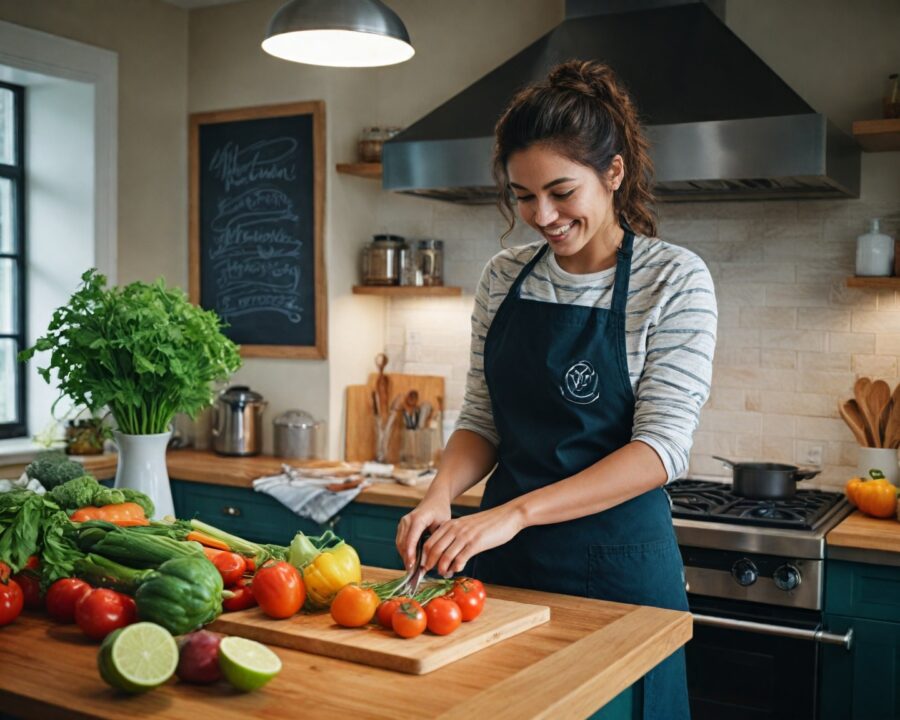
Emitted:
<point x="373" y="645"/>
<point x="359" y="430"/>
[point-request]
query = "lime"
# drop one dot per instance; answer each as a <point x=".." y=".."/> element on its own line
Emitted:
<point x="138" y="657"/>
<point x="247" y="664"/>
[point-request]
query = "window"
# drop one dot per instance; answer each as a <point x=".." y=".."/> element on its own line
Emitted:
<point x="12" y="261"/>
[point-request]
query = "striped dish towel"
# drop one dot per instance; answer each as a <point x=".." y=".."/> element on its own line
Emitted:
<point x="308" y="495"/>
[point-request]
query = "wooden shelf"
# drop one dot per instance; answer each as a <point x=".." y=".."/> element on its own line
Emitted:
<point x="407" y="290"/>
<point x="878" y="135"/>
<point x="874" y="283"/>
<point x="372" y="171"/>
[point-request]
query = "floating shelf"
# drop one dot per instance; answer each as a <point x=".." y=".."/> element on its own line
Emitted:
<point x="878" y="135"/>
<point x="372" y="171"/>
<point x="407" y="290"/>
<point x="874" y="283"/>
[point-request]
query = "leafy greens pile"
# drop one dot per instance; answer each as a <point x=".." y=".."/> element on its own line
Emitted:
<point x="143" y="350"/>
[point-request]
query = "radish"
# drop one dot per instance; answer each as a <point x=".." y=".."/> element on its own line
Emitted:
<point x="198" y="660"/>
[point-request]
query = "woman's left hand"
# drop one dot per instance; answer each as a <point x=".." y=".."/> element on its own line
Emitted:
<point x="456" y="541"/>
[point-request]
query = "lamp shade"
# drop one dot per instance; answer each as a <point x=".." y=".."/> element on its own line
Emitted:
<point x="338" y="33"/>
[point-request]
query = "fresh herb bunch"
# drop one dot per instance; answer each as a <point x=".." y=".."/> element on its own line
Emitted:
<point x="143" y="350"/>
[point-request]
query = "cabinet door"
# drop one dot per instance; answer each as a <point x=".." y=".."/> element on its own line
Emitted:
<point x="862" y="590"/>
<point x="372" y="530"/>
<point x="862" y="683"/>
<point x="242" y="511"/>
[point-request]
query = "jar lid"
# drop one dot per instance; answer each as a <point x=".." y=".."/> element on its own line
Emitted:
<point x="240" y="395"/>
<point x="392" y="239"/>
<point x="431" y="244"/>
<point x="296" y="418"/>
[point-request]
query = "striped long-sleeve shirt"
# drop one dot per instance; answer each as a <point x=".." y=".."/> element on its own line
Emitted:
<point x="670" y="334"/>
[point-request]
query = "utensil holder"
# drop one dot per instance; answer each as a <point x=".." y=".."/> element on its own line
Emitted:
<point x="884" y="459"/>
<point x="417" y="448"/>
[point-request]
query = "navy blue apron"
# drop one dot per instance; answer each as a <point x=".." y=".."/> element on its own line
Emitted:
<point x="558" y="381"/>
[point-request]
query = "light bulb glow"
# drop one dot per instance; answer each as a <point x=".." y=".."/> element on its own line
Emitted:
<point x="338" y="48"/>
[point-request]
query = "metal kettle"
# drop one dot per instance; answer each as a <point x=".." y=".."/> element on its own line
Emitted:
<point x="237" y="422"/>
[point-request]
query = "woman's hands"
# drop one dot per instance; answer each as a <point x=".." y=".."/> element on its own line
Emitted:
<point x="457" y="540"/>
<point x="429" y="515"/>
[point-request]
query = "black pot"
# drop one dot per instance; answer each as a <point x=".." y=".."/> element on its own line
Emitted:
<point x="766" y="481"/>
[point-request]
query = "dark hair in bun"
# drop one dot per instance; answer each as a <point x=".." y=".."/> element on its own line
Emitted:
<point x="582" y="112"/>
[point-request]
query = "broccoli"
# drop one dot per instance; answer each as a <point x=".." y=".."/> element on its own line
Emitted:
<point x="53" y="468"/>
<point x="84" y="491"/>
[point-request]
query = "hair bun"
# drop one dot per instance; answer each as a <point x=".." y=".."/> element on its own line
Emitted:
<point x="583" y="76"/>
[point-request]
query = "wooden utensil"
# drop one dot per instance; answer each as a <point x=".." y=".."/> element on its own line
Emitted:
<point x="411" y="408"/>
<point x="892" y="430"/>
<point x="879" y="395"/>
<point x="849" y="410"/>
<point x="382" y="384"/>
<point x="861" y="392"/>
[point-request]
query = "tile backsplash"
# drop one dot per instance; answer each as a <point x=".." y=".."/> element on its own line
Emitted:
<point x="792" y="336"/>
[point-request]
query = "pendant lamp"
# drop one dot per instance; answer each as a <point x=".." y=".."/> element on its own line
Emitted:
<point x="338" y="33"/>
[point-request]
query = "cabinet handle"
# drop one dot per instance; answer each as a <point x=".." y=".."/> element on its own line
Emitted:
<point x="231" y="511"/>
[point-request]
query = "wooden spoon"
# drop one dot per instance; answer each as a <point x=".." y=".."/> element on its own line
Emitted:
<point x="382" y="383"/>
<point x="411" y="409"/>
<point x="879" y="395"/>
<point x="849" y="410"/>
<point x="892" y="430"/>
<point x="861" y="393"/>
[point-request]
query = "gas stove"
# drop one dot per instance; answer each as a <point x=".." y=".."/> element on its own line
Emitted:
<point x="754" y="550"/>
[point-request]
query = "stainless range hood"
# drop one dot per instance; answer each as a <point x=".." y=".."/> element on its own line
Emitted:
<point x="722" y="124"/>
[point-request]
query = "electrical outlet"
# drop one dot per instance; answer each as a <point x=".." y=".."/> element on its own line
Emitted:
<point x="815" y="455"/>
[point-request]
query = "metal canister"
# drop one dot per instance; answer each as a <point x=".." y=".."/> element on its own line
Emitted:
<point x="298" y="435"/>
<point x="381" y="260"/>
<point x="237" y="422"/>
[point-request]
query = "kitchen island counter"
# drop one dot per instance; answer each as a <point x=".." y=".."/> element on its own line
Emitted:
<point x="588" y="656"/>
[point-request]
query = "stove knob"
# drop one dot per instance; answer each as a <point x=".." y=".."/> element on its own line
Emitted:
<point x="745" y="572"/>
<point x="786" y="577"/>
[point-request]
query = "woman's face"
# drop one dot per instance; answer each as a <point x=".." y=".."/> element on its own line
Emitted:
<point x="568" y="204"/>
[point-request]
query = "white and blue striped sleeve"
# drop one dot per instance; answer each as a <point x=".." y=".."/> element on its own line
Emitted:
<point x="675" y="381"/>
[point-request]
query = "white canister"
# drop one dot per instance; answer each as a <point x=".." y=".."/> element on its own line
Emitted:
<point x="875" y="252"/>
<point x="883" y="459"/>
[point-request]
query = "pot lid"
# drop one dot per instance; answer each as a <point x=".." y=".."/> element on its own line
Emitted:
<point x="240" y="395"/>
<point x="296" y="418"/>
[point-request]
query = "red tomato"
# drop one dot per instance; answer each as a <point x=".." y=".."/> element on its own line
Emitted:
<point x="31" y="588"/>
<point x="101" y="611"/>
<point x="243" y="597"/>
<point x="354" y="606"/>
<point x="443" y="616"/>
<point x="11" y="601"/>
<point x="279" y="589"/>
<point x="469" y="595"/>
<point x="409" y="620"/>
<point x="231" y="567"/>
<point x="33" y="563"/>
<point x="5" y="572"/>
<point x="386" y="609"/>
<point x="62" y="596"/>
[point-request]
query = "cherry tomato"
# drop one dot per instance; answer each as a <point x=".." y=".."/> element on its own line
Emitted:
<point x="386" y="609"/>
<point x="354" y="605"/>
<point x="231" y="567"/>
<point x="279" y="589"/>
<point x="11" y="601"/>
<point x="409" y="619"/>
<point x="62" y="596"/>
<point x="31" y="588"/>
<point x="443" y="616"/>
<point x="101" y="611"/>
<point x="469" y="595"/>
<point x="243" y="597"/>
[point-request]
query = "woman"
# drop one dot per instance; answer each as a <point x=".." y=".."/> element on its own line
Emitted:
<point x="591" y="357"/>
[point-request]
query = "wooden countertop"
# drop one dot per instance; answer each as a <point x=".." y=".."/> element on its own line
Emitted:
<point x="587" y="654"/>
<point x="862" y="532"/>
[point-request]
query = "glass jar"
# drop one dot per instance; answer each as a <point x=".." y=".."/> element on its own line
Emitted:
<point x="381" y="260"/>
<point x="430" y="259"/>
<point x="371" y="141"/>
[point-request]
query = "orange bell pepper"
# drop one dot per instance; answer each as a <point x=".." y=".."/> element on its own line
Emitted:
<point x="125" y="514"/>
<point x="876" y="497"/>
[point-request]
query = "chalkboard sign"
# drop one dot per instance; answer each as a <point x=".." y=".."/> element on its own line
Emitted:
<point x="257" y="201"/>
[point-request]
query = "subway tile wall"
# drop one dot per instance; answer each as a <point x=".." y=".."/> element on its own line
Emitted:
<point x="792" y="336"/>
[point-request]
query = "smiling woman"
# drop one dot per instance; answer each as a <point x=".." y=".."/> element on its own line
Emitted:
<point x="591" y="357"/>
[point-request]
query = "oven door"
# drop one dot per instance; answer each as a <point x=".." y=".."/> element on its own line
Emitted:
<point x="742" y="674"/>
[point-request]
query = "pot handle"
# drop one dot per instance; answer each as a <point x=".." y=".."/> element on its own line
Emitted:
<point x="805" y="473"/>
<point x="725" y="461"/>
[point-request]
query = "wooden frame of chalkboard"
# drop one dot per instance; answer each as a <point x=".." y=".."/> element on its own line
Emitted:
<point x="257" y="208"/>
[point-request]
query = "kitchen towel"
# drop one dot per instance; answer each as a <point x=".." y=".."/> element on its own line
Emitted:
<point x="307" y="494"/>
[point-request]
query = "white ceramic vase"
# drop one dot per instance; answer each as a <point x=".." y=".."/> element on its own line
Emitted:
<point x="142" y="466"/>
<point x="884" y="459"/>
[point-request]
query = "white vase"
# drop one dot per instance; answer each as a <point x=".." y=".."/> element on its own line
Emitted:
<point x="142" y="466"/>
<point x="884" y="459"/>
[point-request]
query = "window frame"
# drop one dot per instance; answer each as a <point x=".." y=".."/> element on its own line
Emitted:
<point x="16" y="173"/>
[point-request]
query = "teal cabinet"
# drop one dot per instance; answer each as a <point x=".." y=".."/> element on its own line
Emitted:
<point x="864" y="682"/>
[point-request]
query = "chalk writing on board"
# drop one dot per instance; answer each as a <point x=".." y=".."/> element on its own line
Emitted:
<point x="255" y="245"/>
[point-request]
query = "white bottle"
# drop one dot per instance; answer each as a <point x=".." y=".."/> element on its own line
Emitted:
<point x="875" y="252"/>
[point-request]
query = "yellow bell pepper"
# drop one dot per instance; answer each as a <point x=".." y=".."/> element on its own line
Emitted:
<point x="328" y="563"/>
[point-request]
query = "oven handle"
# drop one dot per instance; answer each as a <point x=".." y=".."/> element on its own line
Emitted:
<point x="819" y="636"/>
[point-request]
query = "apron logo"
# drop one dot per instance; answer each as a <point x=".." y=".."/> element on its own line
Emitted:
<point x="581" y="383"/>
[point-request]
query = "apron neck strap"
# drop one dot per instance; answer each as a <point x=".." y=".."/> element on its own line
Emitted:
<point x="514" y="290"/>
<point x="623" y="271"/>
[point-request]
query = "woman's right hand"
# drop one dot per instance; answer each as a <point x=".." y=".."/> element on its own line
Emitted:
<point x="428" y="515"/>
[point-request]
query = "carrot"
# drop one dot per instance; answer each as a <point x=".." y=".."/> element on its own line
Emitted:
<point x="206" y="540"/>
<point x="125" y="514"/>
